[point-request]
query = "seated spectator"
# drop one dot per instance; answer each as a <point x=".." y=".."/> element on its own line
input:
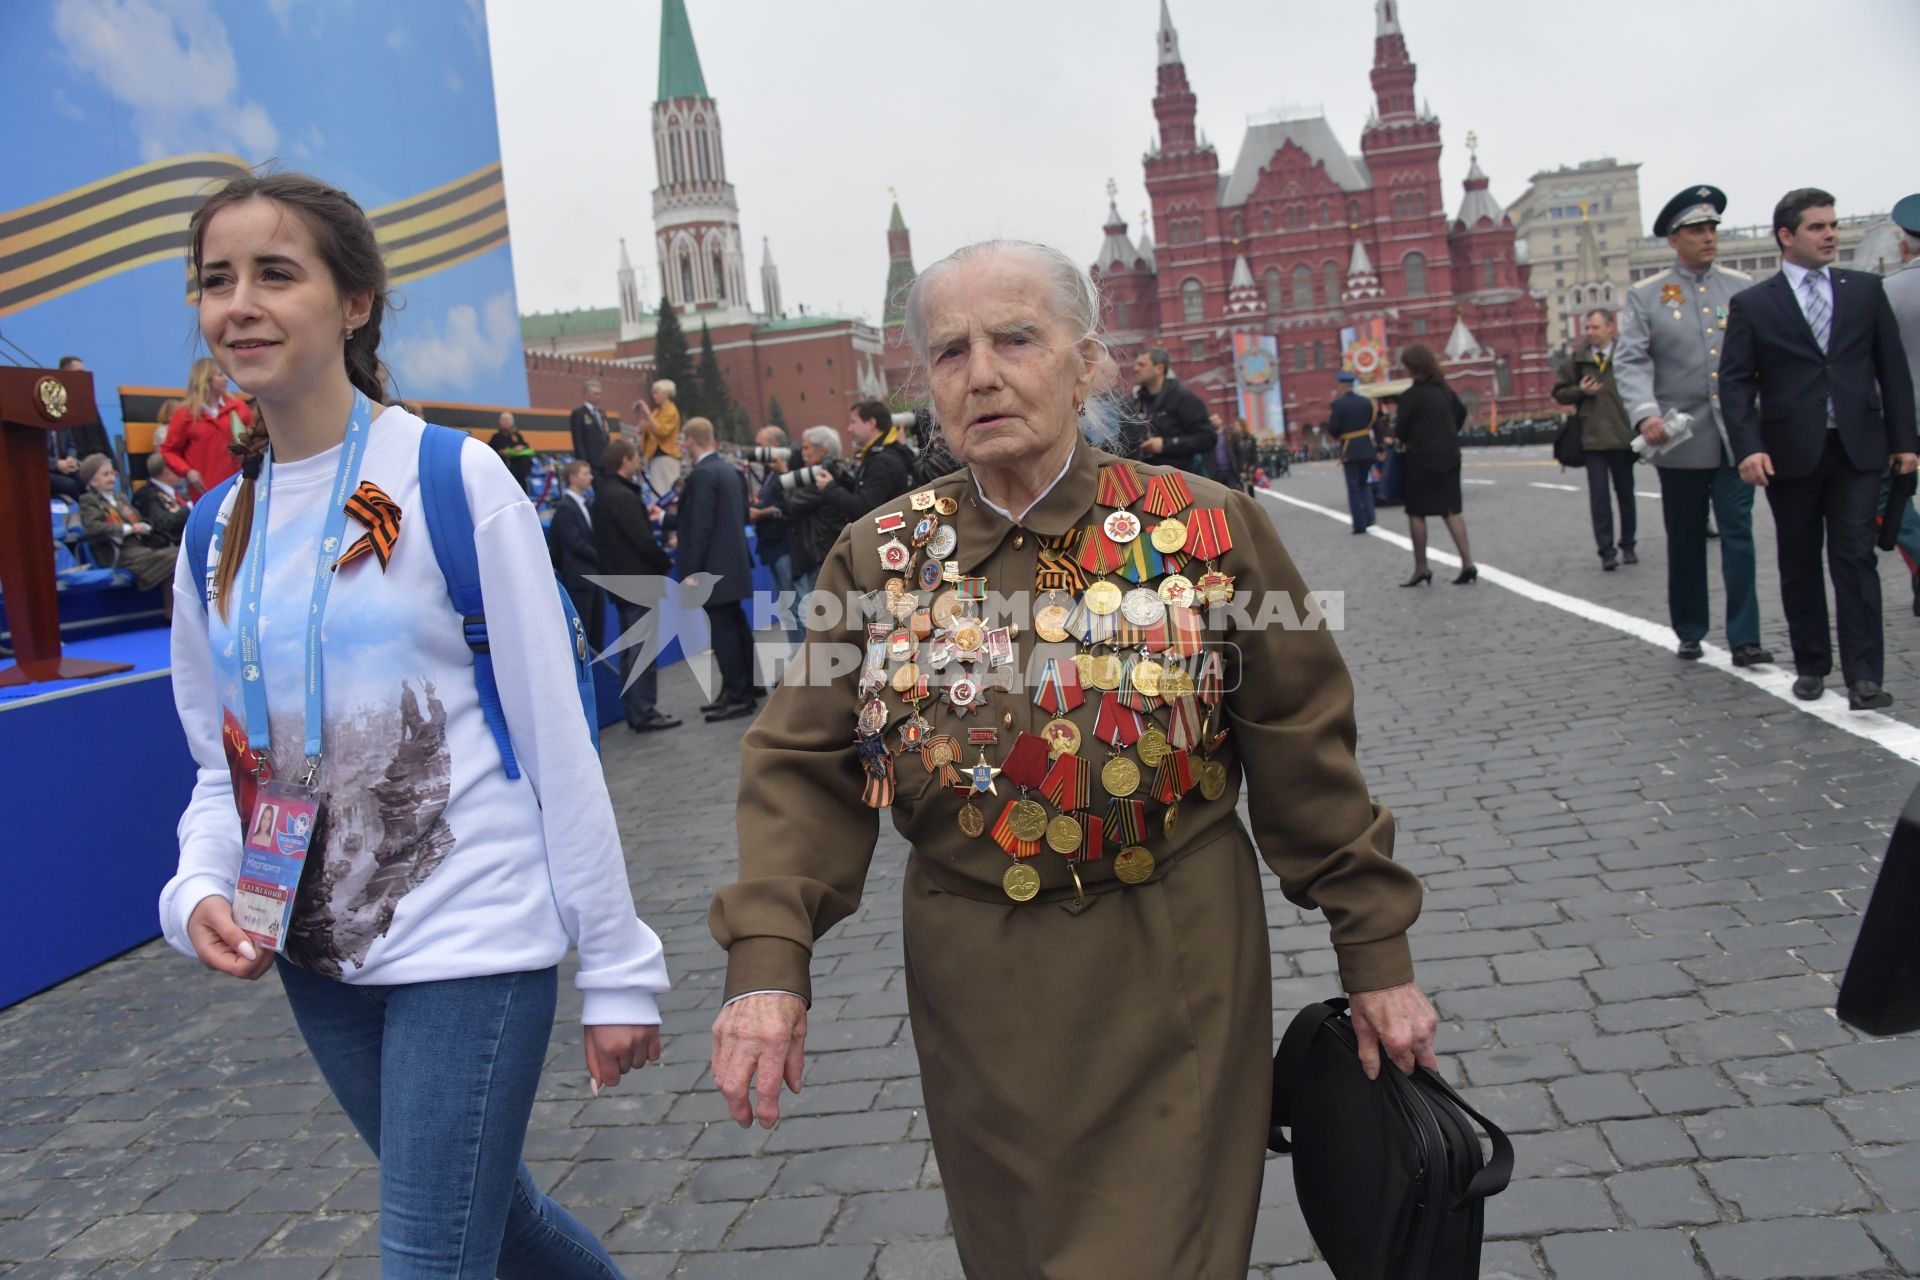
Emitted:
<point x="120" y="538"/>
<point x="89" y="437"/>
<point x="202" y="432"/>
<point x="63" y="466"/>
<point x="162" y="501"/>
<point x="513" y="450"/>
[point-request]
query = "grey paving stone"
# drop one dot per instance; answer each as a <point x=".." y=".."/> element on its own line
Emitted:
<point x="1793" y="1077"/>
<point x="1545" y="1028"/>
<point x="1787" y="1186"/>
<point x="1280" y="1236"/>
<point x="1633" y="1051"/>
<point x="331" y="1235"/>
<point x="882" y="1216"/>
<point x="1892" y="1172"/>
<point x="1763" y="1131"/>
<point x="1641" y="982"/>
<point x="1543" y="1206"/>
<point x="1876" y="1064"/>
<point x="1611" y="1255"/>
<point x="1899" y="1235"/>
<point x="1506" y="1065"/>
<point x="853" y="1170"/>
<point x="918" y="1260"/>
<point x="223" y="1235"/>
<point x="207" y="1192"/>
<point x="1681" y="1089"/>
<point x="1667" y="1197"/>
<point x="785" y="1222"/>
<point x="1602" y="1096"/>
<point x="675" y="1228"/>
<point x="1878" y="1117"/>
<point x="827" y="1262"/>
<point x="1789" y="1249"/>
<point x="1508" y="1260"/>
<point x="745" y="1179"/>
<point x="1560" y="1153"/>
<point x="125" y="1236"/>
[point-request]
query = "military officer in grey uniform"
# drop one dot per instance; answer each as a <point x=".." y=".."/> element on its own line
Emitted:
<point x="1903" y="295"/>
<point x="1668" y="361"/>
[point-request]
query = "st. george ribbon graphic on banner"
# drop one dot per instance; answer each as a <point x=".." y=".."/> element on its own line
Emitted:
<point x="121" y="120"/>
<point x="1256" y="376"/>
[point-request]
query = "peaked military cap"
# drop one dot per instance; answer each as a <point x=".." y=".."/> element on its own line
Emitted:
<point x="1695" y="204"/>
<point x="1906" y="214"/>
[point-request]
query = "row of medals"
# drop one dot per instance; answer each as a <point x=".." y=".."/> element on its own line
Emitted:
<point x="952" y="629"/>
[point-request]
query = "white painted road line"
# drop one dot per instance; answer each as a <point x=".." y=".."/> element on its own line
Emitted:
<point x="1479" y="482"/>
<point x="1565" y="488"/>
<point x="1883" y="731"/>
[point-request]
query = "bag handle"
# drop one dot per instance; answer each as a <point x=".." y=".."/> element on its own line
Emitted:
<point x="1493" y="1176"/>
<point x="1287" y="1063"/>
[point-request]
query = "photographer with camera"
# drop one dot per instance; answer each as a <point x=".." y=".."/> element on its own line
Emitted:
<point x="764" y="466"/>
<point x="884" y="469"/>
<point x="818" y="500"/>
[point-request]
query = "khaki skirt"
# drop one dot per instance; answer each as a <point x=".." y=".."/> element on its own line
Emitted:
<point x="1098" y="1080"/>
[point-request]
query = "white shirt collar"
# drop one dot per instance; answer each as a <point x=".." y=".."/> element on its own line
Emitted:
<point x="1037" y="500"/>
<point x="1797" y="274"/>
<point x="581" y="500"/>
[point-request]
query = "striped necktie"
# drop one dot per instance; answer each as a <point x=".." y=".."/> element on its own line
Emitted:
<point x="1819" y="310"/>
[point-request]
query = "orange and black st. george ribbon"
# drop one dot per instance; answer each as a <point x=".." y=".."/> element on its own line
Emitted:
<point x="381" y="516"/>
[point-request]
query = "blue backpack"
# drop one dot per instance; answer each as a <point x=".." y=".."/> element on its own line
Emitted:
<point x="443" y="493"/>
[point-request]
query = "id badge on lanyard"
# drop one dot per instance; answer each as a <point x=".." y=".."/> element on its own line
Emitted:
<point x="280" y="829"/>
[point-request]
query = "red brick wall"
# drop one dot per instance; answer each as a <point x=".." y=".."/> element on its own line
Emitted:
<point x="553" y="382"/>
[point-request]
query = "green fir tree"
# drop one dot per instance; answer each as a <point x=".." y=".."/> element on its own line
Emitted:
<point x="776" y="416"/>
<point x="670" y="358"/>
<point x="716" y="401"/>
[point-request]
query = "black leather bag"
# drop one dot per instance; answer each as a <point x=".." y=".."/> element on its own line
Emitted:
<point x="1389" y="1172"/>
<point x="1881" y="991"/>
<point x="1899" y="494"/>
<point x="1568" y="451"/>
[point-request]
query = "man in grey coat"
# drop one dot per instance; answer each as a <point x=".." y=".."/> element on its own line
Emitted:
<point x="1668" y="361"/>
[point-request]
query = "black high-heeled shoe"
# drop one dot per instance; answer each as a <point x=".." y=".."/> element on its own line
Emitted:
<point x="1419" y="579"/>
<point x="1469" y="574"/>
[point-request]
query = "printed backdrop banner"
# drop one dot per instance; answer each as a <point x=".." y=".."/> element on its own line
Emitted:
<point x="1256" y="373"/>
<point x="129" y="114"/>
<point x="1363" y="350"/>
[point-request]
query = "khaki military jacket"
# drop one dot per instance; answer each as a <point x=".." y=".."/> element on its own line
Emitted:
<point x="807" y="834"/>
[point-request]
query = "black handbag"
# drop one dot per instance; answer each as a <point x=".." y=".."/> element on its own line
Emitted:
<point x="1881" y="991"/>
<point x="1899" y="494"/>
<point x="1568" y="450"/>
<point x="1389" y="1172"/>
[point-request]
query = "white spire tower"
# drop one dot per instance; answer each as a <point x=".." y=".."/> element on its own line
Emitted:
<point x="770" y="281"/>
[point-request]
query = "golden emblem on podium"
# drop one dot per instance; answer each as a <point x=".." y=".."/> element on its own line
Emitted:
<point x="52" y="397"/>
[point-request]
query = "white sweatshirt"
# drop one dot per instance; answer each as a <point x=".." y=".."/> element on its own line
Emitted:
<point x="436" y="864"/>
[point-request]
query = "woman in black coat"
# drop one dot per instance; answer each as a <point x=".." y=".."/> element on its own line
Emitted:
<point x="1428" y="428"/>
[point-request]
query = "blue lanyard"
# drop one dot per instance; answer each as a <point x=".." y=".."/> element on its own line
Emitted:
<point x="252" y="678"/>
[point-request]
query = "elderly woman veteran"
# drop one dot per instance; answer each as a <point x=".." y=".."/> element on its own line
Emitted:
<point x="1087" y="965"/>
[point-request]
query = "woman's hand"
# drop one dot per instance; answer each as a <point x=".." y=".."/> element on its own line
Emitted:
<point x="763" y="1036"/>
<point x="222" y="945"/>
<point x="612" y="1051"/>
<point x="1399" y="1018"/>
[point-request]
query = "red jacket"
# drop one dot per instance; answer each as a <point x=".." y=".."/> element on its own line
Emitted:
<point x="199" y="441"/>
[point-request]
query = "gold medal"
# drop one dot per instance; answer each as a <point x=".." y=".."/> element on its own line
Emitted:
<point x="972" y="821"/>
<point x="1169" y="535"/>
<point x="1133" y="865"/>
<point x="903" y="605"/>
<point x="1213" y="779"/>
<point x="1083" y="667"/>
<point x="1176" y="590"/>
<point x="921" y="501"/>
<point x="968" y="636"/>
<point x="905" y="678"/>
<point x="1062" y="738"/>
<point x="1063" y="834"/>
<point x="1120" y="776"/>
<point x="946" y="607"/>
<point x="1168" y="819"/>
<point x="946" y="506"/>
<point x="1153" y="746"/>
<point x="1103" y="672"/>
<point x="1103" y="597"/>
<point x="1029" y="820"/>
<point x="1021" y="882"/>
<point x="1050" y="623"/>
<point x="1146" y="678"/>
<point x="1176" y="682"/>
<point x="895" y="586"/>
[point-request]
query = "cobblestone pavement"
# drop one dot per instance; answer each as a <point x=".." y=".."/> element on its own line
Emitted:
<point x="1642" y="877"/>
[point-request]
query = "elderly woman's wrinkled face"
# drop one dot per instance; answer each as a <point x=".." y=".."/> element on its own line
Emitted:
<point x="1006" y="372"/>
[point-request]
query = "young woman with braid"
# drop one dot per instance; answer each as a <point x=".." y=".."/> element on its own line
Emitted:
<point x="440" y="888"/>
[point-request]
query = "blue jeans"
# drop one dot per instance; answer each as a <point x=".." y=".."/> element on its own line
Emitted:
<point x="451" y="1067"/>
<point x="1359" y="492"/>
<point x="780" y="565"/>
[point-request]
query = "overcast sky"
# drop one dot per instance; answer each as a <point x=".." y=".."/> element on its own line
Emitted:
<point x="1007" y="118"/>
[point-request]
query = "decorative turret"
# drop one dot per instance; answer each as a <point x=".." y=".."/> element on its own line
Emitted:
<point x="1174" y="105"/>
<point x="1243" y="296"/>
<point x="632" y="311"/>
<point x="1461" y="344"/>
<point x="1117" y="252"/>
<point x="770" y="282"/>
<point x="696" y="218"/>
<point x="900" y="270"/>
<point x="1393" y="71"/>
<point x="1478" y="203"/>
<point x="1586" y="263"/>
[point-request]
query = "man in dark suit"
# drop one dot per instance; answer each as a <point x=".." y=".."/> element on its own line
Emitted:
<point x="589" y="427"/>
<point x="713" y="539"/>
<point x="1818" y="404"/>
<point x="570" y="543"/>
<point x="162" y="500"/>
<point x="623" y="535"/>
<point x="1351" y="420"/>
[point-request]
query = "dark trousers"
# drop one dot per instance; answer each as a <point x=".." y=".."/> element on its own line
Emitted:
<point x="1359" y="492"/>
<point x="1838" y="502"/>
<point x="1615" y="465"/>
<point x="638" y="694"/>
<point x="1684" y="499"/>
<point x="732" y="650"/>
<point x="62" y="485"/>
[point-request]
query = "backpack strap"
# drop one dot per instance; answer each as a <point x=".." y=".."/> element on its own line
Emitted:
<point x="443" y="494"/>
<point x="198" y="538"/>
